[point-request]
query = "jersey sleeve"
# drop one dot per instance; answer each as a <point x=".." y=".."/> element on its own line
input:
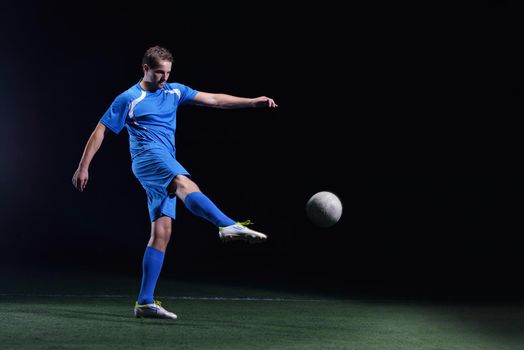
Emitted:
<point x="186" y="93"/>
<point x="115" y="116"/>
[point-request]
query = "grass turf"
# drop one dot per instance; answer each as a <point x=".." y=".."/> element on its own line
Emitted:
<point x="85" y="315"/>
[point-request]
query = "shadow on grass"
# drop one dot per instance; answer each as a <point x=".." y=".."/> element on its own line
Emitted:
<point x="109" y="317"/>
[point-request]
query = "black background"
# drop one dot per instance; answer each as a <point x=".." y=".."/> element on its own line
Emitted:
<point x="409" y="112"/>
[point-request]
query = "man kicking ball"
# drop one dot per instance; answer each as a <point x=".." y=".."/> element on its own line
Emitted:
<point x="148" y="111"/>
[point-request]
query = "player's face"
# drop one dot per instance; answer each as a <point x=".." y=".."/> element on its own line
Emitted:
<point x="158" y="75"/>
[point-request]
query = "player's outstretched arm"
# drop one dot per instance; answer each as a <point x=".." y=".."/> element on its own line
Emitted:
<point x="226" y="101"/>
<point x="81" y="175"/>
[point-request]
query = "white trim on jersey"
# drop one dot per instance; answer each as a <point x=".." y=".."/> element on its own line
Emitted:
<point x="174" y="91"/>
<point x="134" y="103"/>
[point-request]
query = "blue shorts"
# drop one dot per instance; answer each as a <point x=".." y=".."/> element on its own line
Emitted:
<point x="155" y="169"/>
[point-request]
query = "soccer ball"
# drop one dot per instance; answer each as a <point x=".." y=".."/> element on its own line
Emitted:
<point x="324" y="209"/>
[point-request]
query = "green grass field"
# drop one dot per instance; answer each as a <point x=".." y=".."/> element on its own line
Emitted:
<point x="50" y="312"/>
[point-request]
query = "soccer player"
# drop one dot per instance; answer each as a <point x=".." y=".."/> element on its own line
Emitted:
<point x="148" y="111"/>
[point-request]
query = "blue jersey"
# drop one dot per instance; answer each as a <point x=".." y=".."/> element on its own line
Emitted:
<point x="149" y="117"/>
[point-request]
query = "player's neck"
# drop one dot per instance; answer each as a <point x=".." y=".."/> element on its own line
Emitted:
<point x="147" y="86"/>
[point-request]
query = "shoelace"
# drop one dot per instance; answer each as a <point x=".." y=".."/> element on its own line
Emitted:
<point x="245" y="223"/>
<point x="155" y="302"/>
<point x="241" y="223"/>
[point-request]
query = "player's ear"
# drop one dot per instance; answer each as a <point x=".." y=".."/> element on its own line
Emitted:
<point x="145" y="67"/>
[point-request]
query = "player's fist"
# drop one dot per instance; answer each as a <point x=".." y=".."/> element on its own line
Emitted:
<point x="264" y="101"/>
<point x="80" y="179"/>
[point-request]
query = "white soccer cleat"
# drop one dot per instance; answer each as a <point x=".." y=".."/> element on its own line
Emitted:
<point x="154" y="310"/>
<point x="239" y="231"/>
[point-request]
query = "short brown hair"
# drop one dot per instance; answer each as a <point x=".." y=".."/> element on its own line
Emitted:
<point x="155" y="54"/>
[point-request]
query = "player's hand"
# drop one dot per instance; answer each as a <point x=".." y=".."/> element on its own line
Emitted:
<point x="80" y="179"/>
<point x="264" y="101"/>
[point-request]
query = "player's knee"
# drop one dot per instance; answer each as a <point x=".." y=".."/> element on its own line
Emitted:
<point x="181" y="185"/>
<point x="161" y="229"/>
<point x="187" y="185"/>
<point x="161" y="236"/>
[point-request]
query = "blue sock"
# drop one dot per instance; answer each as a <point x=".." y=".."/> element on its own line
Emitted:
<point x="151" y="266"/>
<point x="200" y="205"/>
